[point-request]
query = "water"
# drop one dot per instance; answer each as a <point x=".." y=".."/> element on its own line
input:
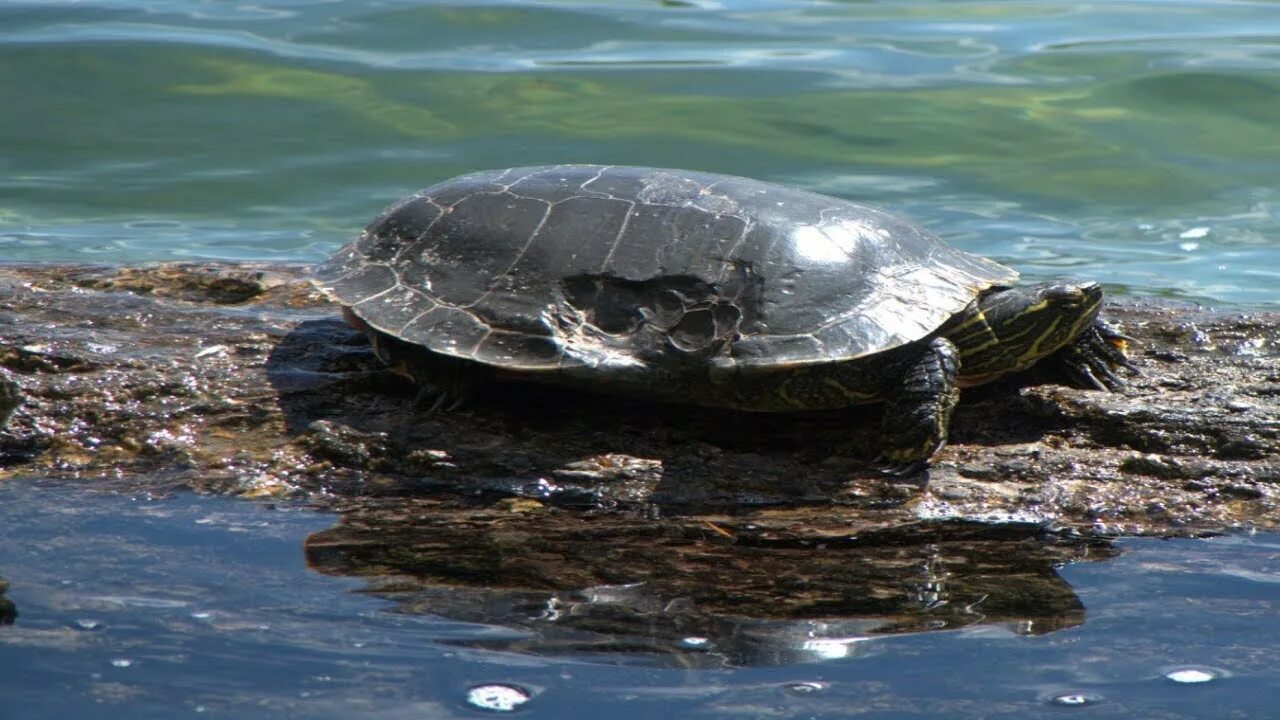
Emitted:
<point x="1129" y="142"/>
<point x="185" y="606"/>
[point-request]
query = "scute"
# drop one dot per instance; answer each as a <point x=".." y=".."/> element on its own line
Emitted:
<point x="513" y="267"/>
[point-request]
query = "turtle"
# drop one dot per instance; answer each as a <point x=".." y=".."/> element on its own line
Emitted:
<point x="705" y="289"/>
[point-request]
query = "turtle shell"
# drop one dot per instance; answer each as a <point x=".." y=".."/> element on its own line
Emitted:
<point x="587" y="267"/>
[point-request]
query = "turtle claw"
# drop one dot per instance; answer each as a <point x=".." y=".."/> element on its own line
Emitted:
<point x="440" y="400"/>
<point x="1114" y="344"/>
<point x="898" y="469"/>
<point x="1091" y="361"/>
<point x="1085" y="376"/>
<point x="427" y="394"/>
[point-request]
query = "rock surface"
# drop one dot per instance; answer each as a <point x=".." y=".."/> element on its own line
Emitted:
<point x="242" y="379"/>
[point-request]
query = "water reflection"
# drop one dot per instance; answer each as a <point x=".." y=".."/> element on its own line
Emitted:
<point x="146" y="607"/>
<point x="8" y="611"/>
<point x="672" y="592"/>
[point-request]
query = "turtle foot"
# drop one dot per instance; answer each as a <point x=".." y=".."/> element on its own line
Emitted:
<point x="894" y="468"/>
<point x="431" y="400"/>
<point x="1092" y="360"/>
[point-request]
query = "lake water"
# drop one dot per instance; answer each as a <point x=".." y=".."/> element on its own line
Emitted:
<point x="139" y="607"/>
<point x="1131" y="142"/>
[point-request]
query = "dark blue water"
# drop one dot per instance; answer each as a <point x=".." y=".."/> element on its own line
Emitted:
<point x="186" y="606"/>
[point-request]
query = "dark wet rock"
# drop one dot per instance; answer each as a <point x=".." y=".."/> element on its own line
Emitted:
<point x="10" y="398"/>
<point x="202" y="283"/>
<point x="240" y="378"/>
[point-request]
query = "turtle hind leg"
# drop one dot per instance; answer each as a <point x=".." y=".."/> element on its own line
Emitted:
<point x="917" y="418"/>
<point x="432" y="399"/>
<point x="444" y="383"/>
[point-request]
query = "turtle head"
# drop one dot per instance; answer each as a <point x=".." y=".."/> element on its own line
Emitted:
<point x="1009" y="329"/>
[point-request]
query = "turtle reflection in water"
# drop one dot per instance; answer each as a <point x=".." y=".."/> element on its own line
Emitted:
<point x="705" y="289"/>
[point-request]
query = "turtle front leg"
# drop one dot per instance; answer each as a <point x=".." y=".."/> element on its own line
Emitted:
<point x="917" y="418"/>
<point x="1092" y="359"/>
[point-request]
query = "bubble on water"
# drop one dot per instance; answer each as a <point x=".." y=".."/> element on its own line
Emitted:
<point x="805" y="688"/>
<point x="497" y="698"/>
<point x="694" y="642"/>
<point x="87" y="624"/>
<point x="1194" y="233"/>
<point x="121" y="662"/>
<point x="1075" y="699"/>
<point x="1192" y="675"/>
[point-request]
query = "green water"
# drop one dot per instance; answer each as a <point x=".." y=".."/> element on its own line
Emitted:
<point x="1130" y="142"/>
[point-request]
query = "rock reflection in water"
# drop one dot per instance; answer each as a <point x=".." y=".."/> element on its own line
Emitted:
<point x="672" y="591"/>
<point x="8" y="611"/>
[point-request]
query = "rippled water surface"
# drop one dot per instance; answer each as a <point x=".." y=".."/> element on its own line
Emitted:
<point x="182" y="606"/>
<point x="1132" y="142"/>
